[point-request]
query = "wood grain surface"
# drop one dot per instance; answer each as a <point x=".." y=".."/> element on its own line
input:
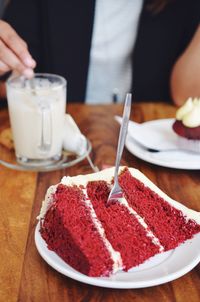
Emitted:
<point x="24" y="275"/>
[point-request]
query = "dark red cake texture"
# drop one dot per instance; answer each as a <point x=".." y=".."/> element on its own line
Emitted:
<point x="182" y="130"/>
<point x="69" y="231"/>
<point x="123" y="230"/>
<point x="167" y="222"/>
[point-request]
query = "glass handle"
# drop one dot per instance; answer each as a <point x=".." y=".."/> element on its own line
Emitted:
<point x="46" y="130"/>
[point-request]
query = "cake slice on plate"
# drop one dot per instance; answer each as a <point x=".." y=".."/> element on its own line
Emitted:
<point x="98" y="239"/>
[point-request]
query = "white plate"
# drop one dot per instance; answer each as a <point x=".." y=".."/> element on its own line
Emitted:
<point x="159" y="269"/>
<point x="177" y="159"/>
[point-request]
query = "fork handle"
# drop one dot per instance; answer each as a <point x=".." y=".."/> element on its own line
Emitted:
<point x="122" y="134"/>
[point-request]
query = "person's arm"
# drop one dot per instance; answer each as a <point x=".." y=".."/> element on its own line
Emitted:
<point x="185" y="76"/>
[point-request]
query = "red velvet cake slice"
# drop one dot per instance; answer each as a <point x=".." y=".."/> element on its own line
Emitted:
<point x="99" y="239"/>
<point x="70" y="229"/>
<point x="122" y="228"/>
<point x="171" y="222"/>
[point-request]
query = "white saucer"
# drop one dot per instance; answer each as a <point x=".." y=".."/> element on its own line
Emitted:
<point x="177" y="159"/>
<point x="159" y="269"/>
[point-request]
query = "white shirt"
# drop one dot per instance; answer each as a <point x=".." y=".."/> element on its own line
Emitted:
<point x="113" y="39"/>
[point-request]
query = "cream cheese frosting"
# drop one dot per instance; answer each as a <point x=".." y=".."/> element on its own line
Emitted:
<point x="115" y="255"/>
<point x="47" y="202"/>
<point x="149" y="233"/>
<point x="189" y="113"/>
<point x="107" y="175"/>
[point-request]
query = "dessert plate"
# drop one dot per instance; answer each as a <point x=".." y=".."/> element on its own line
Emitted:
<point x="159" y="269"/>
<point x="178" y="159"/>
<point x="8" y="159"/>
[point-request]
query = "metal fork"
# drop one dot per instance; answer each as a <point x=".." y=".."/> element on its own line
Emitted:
<point x="116" y="192"/>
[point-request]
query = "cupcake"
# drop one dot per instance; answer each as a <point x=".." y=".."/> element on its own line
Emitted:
<point x="187" y="125"/>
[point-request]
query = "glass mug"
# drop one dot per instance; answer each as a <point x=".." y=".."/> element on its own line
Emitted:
<point x="37" y="111"/>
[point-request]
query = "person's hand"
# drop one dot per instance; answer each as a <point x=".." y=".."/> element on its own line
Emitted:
<point x="14" y="54"/>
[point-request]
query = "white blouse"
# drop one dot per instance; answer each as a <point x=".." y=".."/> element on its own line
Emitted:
<point x="113" y="39"/>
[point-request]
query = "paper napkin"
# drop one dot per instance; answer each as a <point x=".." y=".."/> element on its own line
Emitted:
<point x="73" y="140"/>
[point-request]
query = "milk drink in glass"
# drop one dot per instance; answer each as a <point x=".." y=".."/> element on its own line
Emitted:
<point x="37" y="109"/>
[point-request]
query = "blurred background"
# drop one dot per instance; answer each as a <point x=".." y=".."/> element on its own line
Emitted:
<point x="2" y="5"/>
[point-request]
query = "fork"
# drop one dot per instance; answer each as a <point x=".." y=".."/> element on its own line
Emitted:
<point x="116" y="191"/>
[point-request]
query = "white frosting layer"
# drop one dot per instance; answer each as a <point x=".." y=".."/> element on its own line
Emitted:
<point x="115" y="256"/>
<point x="189" y="113"/>
<point x="47" y="201"/>
<point x="108" y="175"/>
<point x="150" y="234"/>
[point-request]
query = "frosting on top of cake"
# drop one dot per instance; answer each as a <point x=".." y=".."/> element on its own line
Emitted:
<point x="189" y="113"/>
<point x="107" y="175"/>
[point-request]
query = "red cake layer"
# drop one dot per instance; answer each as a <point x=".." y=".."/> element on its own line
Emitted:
<point x="122" y="229"/>
<point x="182" y="130"/>
<point x="167" y="223"/>
<point x="69" y="231"/>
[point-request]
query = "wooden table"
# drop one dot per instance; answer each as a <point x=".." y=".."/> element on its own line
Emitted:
<point x="24" y="275"/>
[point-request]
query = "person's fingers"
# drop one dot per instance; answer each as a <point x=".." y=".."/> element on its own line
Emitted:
<point x="17" y="45"/>
<point x="3" y="68"/>
<point x="28" y="73"/>
<point x="11" y="60"/>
